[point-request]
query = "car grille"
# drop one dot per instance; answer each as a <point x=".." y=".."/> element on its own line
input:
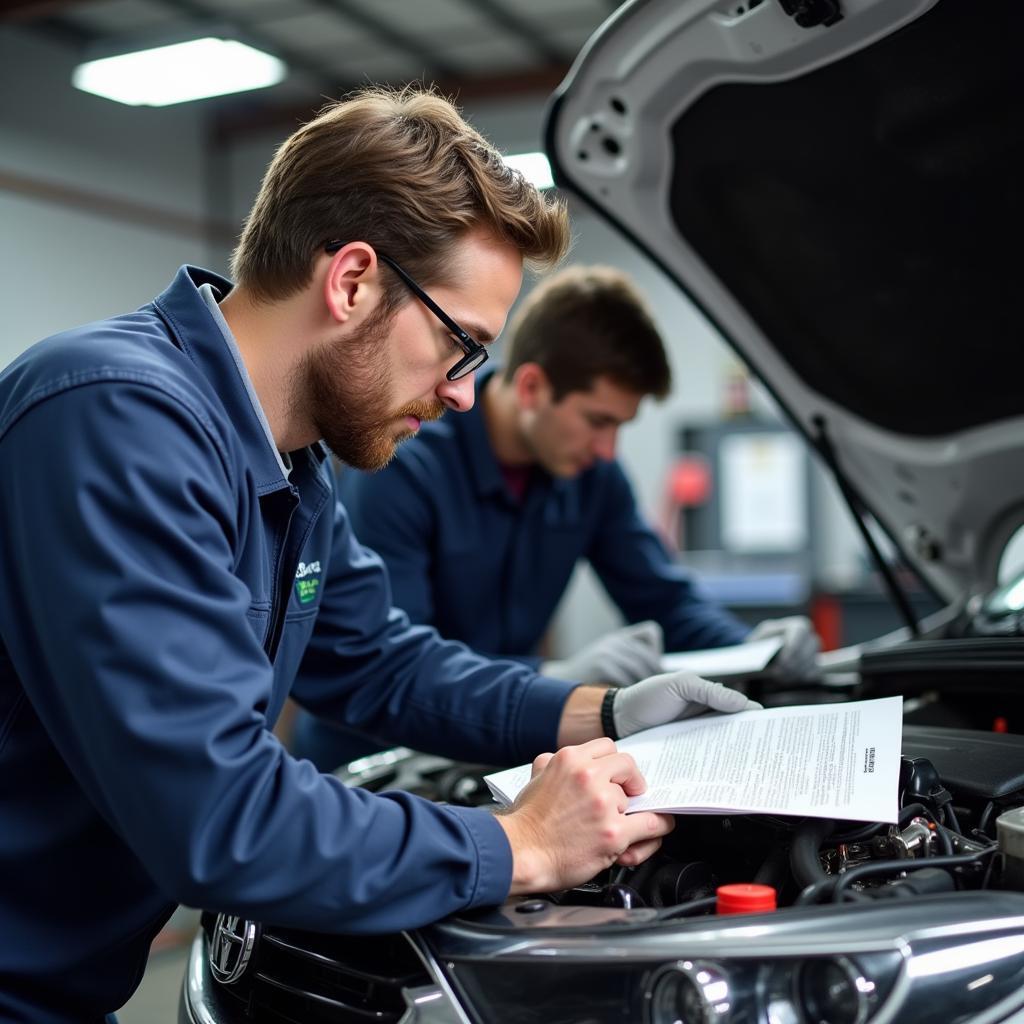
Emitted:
<point x="307" y="978"/>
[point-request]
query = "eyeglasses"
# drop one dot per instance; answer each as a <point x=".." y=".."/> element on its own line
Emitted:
<point x="475" y="354"/>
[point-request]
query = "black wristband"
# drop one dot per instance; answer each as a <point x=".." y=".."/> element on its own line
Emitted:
<point x="608" y="714"/>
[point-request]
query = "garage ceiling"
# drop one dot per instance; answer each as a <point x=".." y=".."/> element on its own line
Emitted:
<point x="471" y="48"/>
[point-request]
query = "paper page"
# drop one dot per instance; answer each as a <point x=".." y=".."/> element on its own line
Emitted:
<point x="819" y="760"/>
<point x="722" y="662"/>
<point x="763" y="483"/>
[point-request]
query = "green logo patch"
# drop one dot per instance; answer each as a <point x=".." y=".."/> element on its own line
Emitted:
<point x="307" y="581"/>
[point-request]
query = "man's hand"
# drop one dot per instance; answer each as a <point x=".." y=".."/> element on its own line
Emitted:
<point x="617" y="659"/>
<point x="671" y="697"/>
<point x="797" y="657"/>
<point x="570" y="822"/>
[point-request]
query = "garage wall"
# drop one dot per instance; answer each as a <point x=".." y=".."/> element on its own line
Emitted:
<point x="99" y="204"/>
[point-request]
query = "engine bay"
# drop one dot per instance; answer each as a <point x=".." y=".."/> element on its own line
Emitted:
<point x="955" y="785"/>
<point x="859" y="906"/>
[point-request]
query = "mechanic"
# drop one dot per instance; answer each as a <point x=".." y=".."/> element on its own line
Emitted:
<point x="174" y="562"/>
<point x="524" y="487"/>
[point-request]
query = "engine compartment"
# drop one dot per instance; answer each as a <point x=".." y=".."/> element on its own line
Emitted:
<point x="954" y="785"/>
<point x="960" y="832"/>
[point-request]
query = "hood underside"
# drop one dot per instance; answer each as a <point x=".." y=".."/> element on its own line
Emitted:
<point x="843" y="201"/>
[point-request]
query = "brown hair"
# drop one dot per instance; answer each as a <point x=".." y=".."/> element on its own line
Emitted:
<point x="399" y="169"/>
<point x="589" y="322"/>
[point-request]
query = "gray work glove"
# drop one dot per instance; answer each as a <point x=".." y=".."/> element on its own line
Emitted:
<point x="671" y="697"/>
<point x="797" y="658"/>
<point x="619" y="658"/>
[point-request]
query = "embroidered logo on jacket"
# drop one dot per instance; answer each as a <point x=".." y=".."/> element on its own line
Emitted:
<point x="307" y="581"/>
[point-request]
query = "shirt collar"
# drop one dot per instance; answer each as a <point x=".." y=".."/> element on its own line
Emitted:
<point x="476" y="443"/>
<point x="214" y="352"/>
<point x="483" y="464"/>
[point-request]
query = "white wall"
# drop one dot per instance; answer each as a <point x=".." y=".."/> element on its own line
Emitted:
<point x="66" y="259"/>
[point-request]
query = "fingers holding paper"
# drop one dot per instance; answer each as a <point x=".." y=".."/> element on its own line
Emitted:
<point x="671" y="697"/>
<point x="570" y="822"/>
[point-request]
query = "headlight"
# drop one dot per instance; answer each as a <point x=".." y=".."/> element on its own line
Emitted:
<point x="823" y="990"/>
<point x="949" y="958"/>
<point x="833" y="991"/>
<point x="689" y="993"/>
<point x="784" y="990"/>
<point x="816" y="990"/>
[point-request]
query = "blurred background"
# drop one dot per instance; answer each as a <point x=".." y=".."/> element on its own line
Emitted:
<point x="101" y="201"/>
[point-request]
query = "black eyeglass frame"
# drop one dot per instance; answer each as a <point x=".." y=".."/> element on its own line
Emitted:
<point x="476" y="354"/>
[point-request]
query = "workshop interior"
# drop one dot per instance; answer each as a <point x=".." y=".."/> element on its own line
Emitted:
<point x="819" y="201"/>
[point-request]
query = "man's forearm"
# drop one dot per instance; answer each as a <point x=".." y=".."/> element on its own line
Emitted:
<point x="581" y="716"/>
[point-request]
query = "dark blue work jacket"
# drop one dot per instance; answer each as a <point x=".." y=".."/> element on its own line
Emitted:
<point x="163" y="586"/>
<point x="465" y="556"/>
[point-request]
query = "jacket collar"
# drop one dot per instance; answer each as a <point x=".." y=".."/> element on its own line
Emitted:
<point x="199" y="337"/>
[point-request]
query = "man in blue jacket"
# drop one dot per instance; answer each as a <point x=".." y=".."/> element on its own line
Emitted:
<point x="174" y="562"/>
<point x="526" y="486"/>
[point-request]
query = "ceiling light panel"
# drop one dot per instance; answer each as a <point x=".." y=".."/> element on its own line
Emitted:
<point x="179" y="72"/>
<point x="534" y="166"/>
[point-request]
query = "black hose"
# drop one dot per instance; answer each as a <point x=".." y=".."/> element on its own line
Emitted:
<point x="773" y="868"/>
<point x="914" y="811"/>
<point x="813" y="892"/>
<point x="953" y="823"/>
<point x="834" y="886"/>
<point x="686" y="909"/>
<point x="985" y="817"/>
<point x="859" y="835"/>
<point x="804" y="859"/>
<point x="867" y="831"/>
<point x="881" y="866"/>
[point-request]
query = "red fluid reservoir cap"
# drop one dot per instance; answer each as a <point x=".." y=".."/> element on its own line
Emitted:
<point x="744" y="898"/>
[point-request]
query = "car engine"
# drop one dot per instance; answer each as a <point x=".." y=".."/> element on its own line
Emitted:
<point x="960" y="831"/>
<point x="954" y="785"/>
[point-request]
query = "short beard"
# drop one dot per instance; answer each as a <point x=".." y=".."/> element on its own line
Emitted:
<point x="348" y="383"/>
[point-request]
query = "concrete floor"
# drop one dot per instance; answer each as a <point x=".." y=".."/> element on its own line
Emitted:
<point x="156" y="1000"/>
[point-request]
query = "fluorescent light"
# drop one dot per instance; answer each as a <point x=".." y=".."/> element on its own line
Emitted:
<point x="535" y="168"/>
<point x="179" y="72"/>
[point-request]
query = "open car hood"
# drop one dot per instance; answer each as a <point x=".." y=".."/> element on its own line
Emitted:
<point x="838" y="185"/>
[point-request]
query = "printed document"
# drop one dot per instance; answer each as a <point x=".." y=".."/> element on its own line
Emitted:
<point x="817" y="760"/>
<point x="724" y="662"/>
